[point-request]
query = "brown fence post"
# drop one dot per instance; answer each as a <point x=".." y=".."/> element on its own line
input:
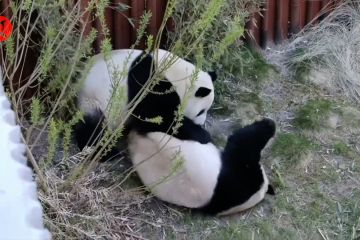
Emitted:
<point x="85" y="18"/>
<point x="253" y="27"/>
<point x="157" y="8"/>
<point x="297" y="15"/>
<point x="313" y="9"/>
<point x="5" y="8"/>
<point x="282" y="20"/>
<point x="268" y="33"/>
<point x="326" y="7"/>
<point x="122" y="27"/>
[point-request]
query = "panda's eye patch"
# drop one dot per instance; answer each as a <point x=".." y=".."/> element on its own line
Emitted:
<point x="202" y="92"/>
<point x="201" y="112"/>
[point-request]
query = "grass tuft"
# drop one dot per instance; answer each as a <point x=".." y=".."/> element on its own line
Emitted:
<point x="291" y="147"/>
<point x="341" y="148"/>
<point x="312" y="115"/>
<point x="330" y="48"/>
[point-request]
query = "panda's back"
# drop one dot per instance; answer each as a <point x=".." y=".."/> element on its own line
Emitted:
<point x="100" y="80"/>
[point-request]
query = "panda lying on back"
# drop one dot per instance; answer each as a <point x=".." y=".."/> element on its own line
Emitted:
<point x="212" y="181"/>
<point x="98" y="88"/>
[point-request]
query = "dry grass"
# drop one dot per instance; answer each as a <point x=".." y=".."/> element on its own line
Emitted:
<point x="98" y="206"/>
<point x="330" y="49"/>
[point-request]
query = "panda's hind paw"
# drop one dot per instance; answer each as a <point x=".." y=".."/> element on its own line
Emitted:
<point x="267" y="125"/>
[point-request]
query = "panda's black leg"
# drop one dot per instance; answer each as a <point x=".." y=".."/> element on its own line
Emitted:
<point x="90" y="131"/>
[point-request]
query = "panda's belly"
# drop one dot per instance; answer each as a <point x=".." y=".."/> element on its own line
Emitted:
<point x="180" y="172"/>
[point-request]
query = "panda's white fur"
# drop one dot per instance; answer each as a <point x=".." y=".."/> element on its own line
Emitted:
<point x="154" y="157"/>
<point x="186" y="172"/>
<point x="99" y="83"/>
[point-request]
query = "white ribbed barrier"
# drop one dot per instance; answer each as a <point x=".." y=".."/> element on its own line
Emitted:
<point x="20" y="210"/>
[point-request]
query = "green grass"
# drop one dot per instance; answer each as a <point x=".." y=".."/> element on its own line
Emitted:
<point x="255" y="68"/>
<point x="312" y="115"/>
<point x="243" y="63"/>
<point x="250" y="65"/>
<point x="291" y="147"/>
<point x="341" y="148"/>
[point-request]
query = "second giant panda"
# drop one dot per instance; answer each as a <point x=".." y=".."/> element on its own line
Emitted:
<point x="122" y="69"/>
<point x="194" y="173"/>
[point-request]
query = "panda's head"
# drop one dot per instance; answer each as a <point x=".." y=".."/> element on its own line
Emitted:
<point x="242" y="181"/>
<point x="202" y="97"/>
<point x="181" y="74"/>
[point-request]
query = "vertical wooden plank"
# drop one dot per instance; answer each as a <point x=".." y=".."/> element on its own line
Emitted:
<point x="297" y="15"/>
<point x="326" y="7"/>
<point x="85" y="18"/>
<point x="157" y="8"/>
<point x="282" y="20"/>
<point x="137" y="9"/>
<point x="5" y="9"/>
<point x="109" y="19"/>
<point x="313" y="9"/>
<point x="253" y="37"/>
<point x="122" y="27"/>
<point x="326" y="3"/>
<point x="268" y="30"/>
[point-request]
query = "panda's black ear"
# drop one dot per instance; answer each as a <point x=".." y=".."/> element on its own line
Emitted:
<point x="213" y="75"/>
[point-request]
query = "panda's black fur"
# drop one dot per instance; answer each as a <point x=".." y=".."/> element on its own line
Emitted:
<point x="155" y="104"/>
<point x="241" y="174"/>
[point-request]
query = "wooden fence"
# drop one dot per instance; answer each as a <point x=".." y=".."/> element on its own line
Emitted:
<point x="277" y="20"/>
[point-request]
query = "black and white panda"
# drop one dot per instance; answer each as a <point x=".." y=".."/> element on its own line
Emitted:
<point x="121" y="69"/>
<point x="194" y="173"/>
<point x="182" y="166"/>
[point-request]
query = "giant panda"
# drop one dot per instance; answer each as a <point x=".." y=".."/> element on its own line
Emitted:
<point x="209" y="180"/>
<point x="194" y="173"/>
<point x="177" y="75"/>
